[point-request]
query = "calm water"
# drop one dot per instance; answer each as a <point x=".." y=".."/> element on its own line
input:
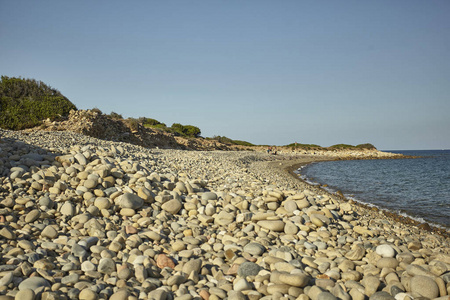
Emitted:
<point x="419" y="188"/>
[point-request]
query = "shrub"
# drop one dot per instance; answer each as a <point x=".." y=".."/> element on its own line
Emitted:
<point x="148" y="122"/>
<point x="186" y="130"/>
<point x="366" y="146"/>
<point x="133" y="124"/>
<point x="115" y="116"/>
<point x="25" y="103"/>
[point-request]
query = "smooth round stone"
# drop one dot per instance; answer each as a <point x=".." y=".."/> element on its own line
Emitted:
<point x="241" y="285"/>
<point x="209" y="196"/>
<point x="192" y="265"/>
<point x="78" y="250"/>
<point x="381" y="296"/>
<point x="357" y="253"/>
<point x="132" y="201"/>
<point x="32" y="216"/>
<point x="385" y="251"/>
<point x="387" y="262"/>
<point x="7" y="233"/>
<point x="274" y="225"/>
<point x="290" y="205"/>
<point x="172" y="206"/>
<point x="178" y="246"/>
<point x="102" y="203"/>
<point x="49" y="232"/>
<point x="248" y="269"/>
<point x="27" y="294"/>
<point x="81" y="159"/>
<point x="176" y="280"/>
<point x="87" y="266"/>
<point x="33" y="283"/>
<point x="106" y="266"/>
<point x="90" y="183"/>
<point x="326" y="296"/>
<point x="298" y="280"/>
<point x="224" y="218"/>
<point x="70" y="279"/>
<point x="127" y="212"/>
<point x="88" y="294"/>
<point x="120" y="295"/>
<point x="7" y="279"/>
<point x="67" y="209"/>
<point x="316" y="221"/>
<point x="424" y="286"/>
<point x="255" y="249"/>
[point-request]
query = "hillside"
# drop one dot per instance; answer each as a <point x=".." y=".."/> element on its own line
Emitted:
<point x="25" y="103"/>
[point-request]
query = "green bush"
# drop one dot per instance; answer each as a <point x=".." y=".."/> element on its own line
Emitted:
<point x="366" y="146"/>
<point x="148" y="122"/>
<point x="115" y="116"/>
<point x="186" y="130"/>
<point x="228" y="141"/>
<point x="25" y="103"/>
<point x="304" y="146"/>
<point x="342" y="146"/>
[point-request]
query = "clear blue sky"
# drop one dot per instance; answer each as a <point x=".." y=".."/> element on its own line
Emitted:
<point x="268" y="72"/>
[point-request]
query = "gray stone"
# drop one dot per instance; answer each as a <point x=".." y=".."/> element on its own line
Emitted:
<point x="6" y="279"/>
<point x="70" y="279"/>
<point x="255" y="249"/>
<point x="67" y="209"/>
<point x="27" y="294"/>
<point x="130" y="200"/>
<point x="241" y="285"/>
<point x="424" y="286"/>
<point x="49" y="232"/>
<point x="326" y="296"/>
<point x="248" y="268"/>
<point x="192" y="265"/>
<point x="106" y="266"/>
<point x="209" y="196"/>
<point x="274" y="225"/>
<point x="78" y="250"/>
<point x="32" y="216"/>
<point x="381" y="296"/>
<point x="34" y="283"/>
<point x="387" y="262"/>
<point x="172" y="206"/>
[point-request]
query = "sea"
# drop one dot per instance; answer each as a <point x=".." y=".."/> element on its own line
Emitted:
<point x="418" y="188"/>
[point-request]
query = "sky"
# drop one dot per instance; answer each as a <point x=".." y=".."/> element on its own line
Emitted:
<point x="267" y="72"/>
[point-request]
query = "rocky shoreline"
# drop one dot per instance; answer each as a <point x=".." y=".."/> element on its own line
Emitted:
<point x="82" y="218"/>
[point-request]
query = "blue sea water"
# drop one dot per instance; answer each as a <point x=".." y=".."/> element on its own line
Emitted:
<point x="419" y="188"/>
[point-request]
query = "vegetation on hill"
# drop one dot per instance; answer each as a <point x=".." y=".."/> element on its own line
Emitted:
<point x="305" y="146"/>
<point x="349" y="147"/>
<point x="24" y="103"/>
<point x="228" y="141"/>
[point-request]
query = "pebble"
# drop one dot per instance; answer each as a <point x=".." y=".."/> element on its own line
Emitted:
<point x="92" y="222"/>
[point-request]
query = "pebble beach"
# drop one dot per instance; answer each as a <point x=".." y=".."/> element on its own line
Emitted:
<point x="83" y="218"/>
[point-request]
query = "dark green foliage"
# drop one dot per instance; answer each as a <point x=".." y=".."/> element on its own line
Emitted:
<point x="97" y="110"/>
<point x="186" y="130"/>
<point x="133" y="123"/>
<point x="342" y="146"/>
<point x="304" y="146"/>
<point x="24" y="103"/>
<point x="228" y="141"/>
<point x="115" y="116"/>
<point x="148" y="122"/>
<point x="366" y="146"/>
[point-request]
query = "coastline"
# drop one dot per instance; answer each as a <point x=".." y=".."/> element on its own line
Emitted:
<point x="290" y="166"/>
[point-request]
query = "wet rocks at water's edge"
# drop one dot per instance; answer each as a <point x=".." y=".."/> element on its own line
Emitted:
<point x="82" y="218"/>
